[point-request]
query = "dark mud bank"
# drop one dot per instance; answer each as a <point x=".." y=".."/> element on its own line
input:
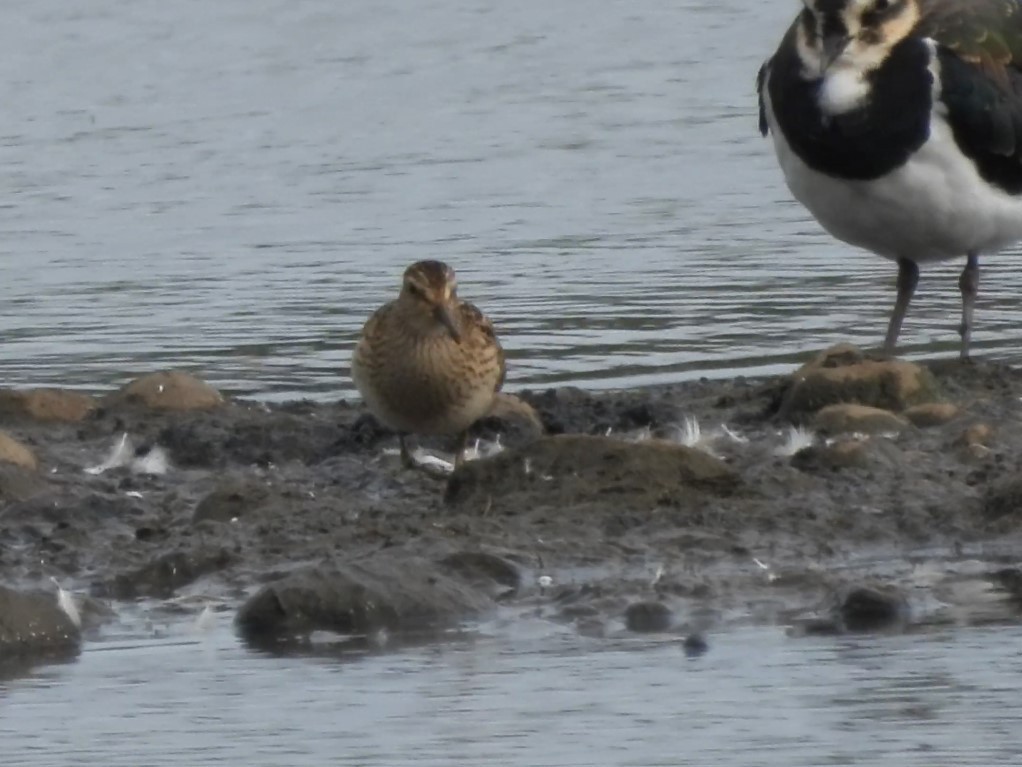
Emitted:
<point x="856" y="494"/>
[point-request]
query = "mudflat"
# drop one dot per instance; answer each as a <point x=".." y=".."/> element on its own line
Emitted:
<point x="857" y="493"/>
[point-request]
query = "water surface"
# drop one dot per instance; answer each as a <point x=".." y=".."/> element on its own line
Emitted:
<point x="540" y="697"/>
<point x="233" y="186"/>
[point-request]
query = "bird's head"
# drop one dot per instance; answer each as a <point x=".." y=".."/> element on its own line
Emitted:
<point x="431" y="289"/>
<point x="857" y="34"/>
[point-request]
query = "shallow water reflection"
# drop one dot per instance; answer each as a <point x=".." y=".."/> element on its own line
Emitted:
<point x="540" y="697"/>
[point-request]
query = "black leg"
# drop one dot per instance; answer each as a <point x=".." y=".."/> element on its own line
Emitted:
<point x="406" y="458"/>
<point x="968" y="283"/>
<point x="459" y="451"/>
<point x="908" y="278"/>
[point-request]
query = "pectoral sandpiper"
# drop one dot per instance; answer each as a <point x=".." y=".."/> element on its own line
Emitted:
<point x="428" y="362"/>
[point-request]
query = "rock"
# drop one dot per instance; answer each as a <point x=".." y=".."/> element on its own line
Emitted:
<point x="695" y="645"/>
<point x="1003" y="499"/>
<point x="849" y="418"/>
<point x="46" y="404"/>
<point x="844" y="374"/>
<point x="15" y="453"/>
<point x="168" y="390"/>
<point x="842" y="454"/>
<point x="231" y="500"/>
<point x="977" y="434"/>
<point x="18" y="484"/>
<point x="648" y="617"/>
<point x="514" y="419"/>
<point x="931" y="414"/>
<point x="166" y="574"/>
<point x="579" y="467"/>
<point x="31" y="623"/>
<point x="872" y="608"/>
<point x="496" y="575"/>
<point x="392" y="594"/>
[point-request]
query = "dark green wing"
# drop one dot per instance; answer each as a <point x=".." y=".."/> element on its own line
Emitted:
<point x="984" y="33"/>
<point x="980" y="58"/>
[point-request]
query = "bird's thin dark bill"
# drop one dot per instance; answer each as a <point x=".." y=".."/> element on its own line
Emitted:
<point x="444" y="314"/>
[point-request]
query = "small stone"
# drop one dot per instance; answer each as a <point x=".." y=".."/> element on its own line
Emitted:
<point x="231" y="500"/>
<point x="695" y="645"/>
<point x="58" y="405"/>
<point x="648" y="617"/>
<point x="842" y="454"/>
<point x="977" y="434"/>
<point x="872" y="608"/>
<point x="862" y="419"/>
<point x="168" y="390"/>
<point x="579" y="468"/>
<point x="14" y="452"/>
<point x="931" y="414"/>
<point x="844" y="374"/>
<point x="514" y="410"/>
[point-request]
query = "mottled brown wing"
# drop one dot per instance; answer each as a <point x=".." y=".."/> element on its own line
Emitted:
<point x="985" y="33"/>
<point x="472" y="317"/>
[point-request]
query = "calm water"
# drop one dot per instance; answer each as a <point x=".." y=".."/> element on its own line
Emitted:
<point x="542" y="699"/>
<point x="232" y="186"/>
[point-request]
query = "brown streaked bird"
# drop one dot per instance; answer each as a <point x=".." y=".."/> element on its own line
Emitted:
<point x="428" y="362"/>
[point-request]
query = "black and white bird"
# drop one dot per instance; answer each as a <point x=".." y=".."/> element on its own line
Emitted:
<point x="898" y="124"/>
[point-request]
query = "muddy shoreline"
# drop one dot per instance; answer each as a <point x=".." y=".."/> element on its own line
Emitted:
<point x="612" y="511"/>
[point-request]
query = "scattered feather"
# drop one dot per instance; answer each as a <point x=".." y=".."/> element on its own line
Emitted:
<point x="423" y="458"/>
<point x="119" y="456"/>
<point x="483" y="448"/>
<point x="690" y="434"/>
<point x="206" y="621"/>
<point x="123" y="453"/>
<point x="153" y="462"/>
<point x="658" y="575"/>
<point x="66" y="602"/>
<point x="733" y="435"/>
<point x="797" y="439"/>
<point x="134" y="494"/>
<point x="545" y="582"/>
<point x="770" y="575"/>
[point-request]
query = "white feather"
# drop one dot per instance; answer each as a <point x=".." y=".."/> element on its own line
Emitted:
<point x="119" y="456"/>
<point x="66" y="602"/>
<point x="796" y="440"/>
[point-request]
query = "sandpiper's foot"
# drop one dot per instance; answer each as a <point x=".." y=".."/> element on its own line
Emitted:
<point x="435" y="470"/>
<point x="406" y="457"/>
<point x="459" y="451"/>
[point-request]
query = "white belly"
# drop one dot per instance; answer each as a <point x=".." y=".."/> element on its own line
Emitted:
<point x="934" y="207"/>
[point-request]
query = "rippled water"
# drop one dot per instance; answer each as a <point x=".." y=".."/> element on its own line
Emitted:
<point x="541" y="699"/>
<point x="232" y="186"/>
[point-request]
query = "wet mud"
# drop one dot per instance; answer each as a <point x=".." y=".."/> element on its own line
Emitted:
<point x="857" y="494"/>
